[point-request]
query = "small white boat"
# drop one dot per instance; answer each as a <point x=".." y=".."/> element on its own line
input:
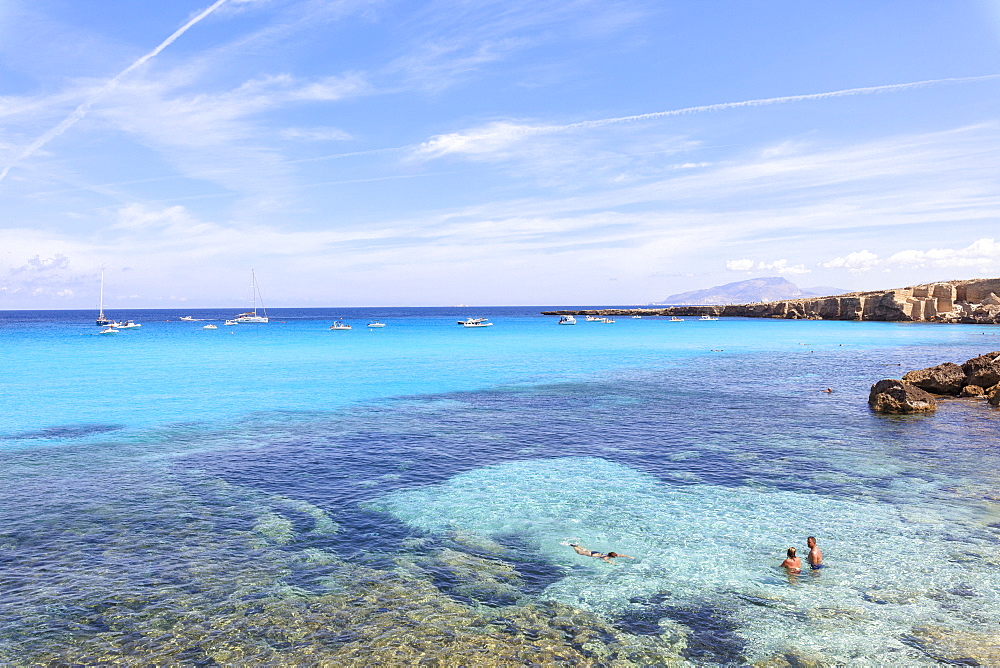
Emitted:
<point x="567" y="320"/>
<point x="608" y="321"/>
<point x="187" y="318"/>
<point x="472" y="320"/>
<point x="230" y="323"/>
<point x="128" y="324"/>
<point x="593" y="318"/>
<point x="478" y="322"/>
<point x="108" y="330"/>
<point x="209" y="327"/>
<point x="707" y="317"/>
<point x="674" y="318"/>
<point x="340" y="324"/>
<point x="637" y="317"/>
<point x="376" y="324"/>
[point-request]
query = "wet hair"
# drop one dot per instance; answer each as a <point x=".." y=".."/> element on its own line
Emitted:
<point x="791" y="553"/>
<point x="612" y="554"/>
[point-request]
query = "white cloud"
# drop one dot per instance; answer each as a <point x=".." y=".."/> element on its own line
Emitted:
<point x="740" y="265"/>
<point x="983" y="254"/>
<point x="489" y="140"/>
<point x="777" y="266"/>
<point x="316" y="134"/>
<point x="854" y="262"/>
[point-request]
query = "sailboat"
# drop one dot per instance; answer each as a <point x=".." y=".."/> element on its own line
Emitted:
<point x="251" y="316"/>
<point x="102" y="319"/>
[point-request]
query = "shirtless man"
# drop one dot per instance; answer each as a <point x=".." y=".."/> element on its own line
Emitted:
<point x="606" y="557"/>
<point x="815" y="557"/>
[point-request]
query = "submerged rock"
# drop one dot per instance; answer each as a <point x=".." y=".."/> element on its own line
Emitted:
<point x="946" y="378"/>
<point x="957" y="647"/>
<point x="899" y="397"/>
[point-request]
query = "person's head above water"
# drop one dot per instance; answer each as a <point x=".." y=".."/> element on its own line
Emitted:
<point x="612" y="554"/>
<point x="791" y="553"/>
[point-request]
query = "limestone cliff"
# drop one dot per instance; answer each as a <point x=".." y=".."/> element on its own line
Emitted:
<point x="972" y="301"/>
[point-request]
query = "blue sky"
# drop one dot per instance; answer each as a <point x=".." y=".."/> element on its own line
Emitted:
<point x="383" y="152"/>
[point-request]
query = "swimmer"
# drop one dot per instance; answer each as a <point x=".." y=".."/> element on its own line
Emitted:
<point x="598" y="555"/>
<point x="815" y="556"/>
<point x="792" y="563"/>
<point x="828" y="390"/>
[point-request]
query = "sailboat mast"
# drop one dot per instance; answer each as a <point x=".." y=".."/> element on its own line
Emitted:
<point x="101" y="314"/>
<point x="256" y="294"/>
<point x="253" y="291"/>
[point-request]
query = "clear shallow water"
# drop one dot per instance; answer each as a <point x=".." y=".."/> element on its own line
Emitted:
<point x="288" y="493"/>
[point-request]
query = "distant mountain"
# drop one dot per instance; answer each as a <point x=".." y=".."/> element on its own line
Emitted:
<point x="770" y="289"/>
<point x="823" y="291"/>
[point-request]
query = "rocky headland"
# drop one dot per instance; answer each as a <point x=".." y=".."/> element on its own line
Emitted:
<point x="918" y="391"/>
<point x="971" y="302"/>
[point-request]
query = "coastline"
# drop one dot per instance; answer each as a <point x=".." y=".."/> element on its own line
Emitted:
<point x="973" y="302"/>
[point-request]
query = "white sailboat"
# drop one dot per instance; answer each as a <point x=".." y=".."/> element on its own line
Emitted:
<point x="102" y="319"/>
<point x="251" y="316"/>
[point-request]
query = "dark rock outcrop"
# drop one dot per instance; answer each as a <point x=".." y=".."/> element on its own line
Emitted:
<point x="947" y="378"/>
<point x="976" y="363"/>
<point x="978" y="377"/>
<point x="984" y="370"/>
<point x="972" y="392"/>
<point x="899" y="397"/>
<point x="993" y="396"/>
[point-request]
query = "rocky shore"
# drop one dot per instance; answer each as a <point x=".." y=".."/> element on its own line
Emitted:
<point x="970" y="302"/>
<point x="917" y="391"/>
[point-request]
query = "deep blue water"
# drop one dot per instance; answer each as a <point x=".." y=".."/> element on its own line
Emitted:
<point x="287" y="493"/>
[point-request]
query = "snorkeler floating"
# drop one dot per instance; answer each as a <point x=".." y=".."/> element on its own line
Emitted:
<point x="598" y="555"/>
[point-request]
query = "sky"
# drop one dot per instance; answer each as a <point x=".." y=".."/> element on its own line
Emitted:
<point x="481" y="152"/>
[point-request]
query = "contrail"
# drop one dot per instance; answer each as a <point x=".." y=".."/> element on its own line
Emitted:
<point x="777" y="100"/>
<point x="458" y="141"/>
<point x="82" y="110"/>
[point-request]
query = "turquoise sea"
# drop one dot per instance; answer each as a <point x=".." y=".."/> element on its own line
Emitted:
<point x="287" y="494"/>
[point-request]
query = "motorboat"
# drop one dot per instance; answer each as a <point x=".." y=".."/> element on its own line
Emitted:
<point x="210" y="327"/>
<point x="707" y="317"/>
<point x="608" y="321"/>
<point x="128" y="324"/>
<point x="477" y="322"/>
<point x="230" y="323"/>
<point x="471" y="320"/>
<point x="674" y="318"/>
<point x="340" y="324"/>
<point x="252" y="316"/>
<point x="187" y="318"/>
<point x="108" y="330"/>
<point x="637" y="317"/>
<point x="567" y="320"/>
<point x="376" y="324"/>
<point x="593" y="318"/>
